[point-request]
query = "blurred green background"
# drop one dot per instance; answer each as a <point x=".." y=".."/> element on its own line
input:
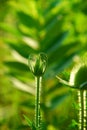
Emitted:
<point x="56" y="27"/>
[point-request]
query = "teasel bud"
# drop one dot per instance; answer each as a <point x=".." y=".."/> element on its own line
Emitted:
<point x="37" y="64"/>
<point x="78" y="79"/>
<point x="78" y="82"/>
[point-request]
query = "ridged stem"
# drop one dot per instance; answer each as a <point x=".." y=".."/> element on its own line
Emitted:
<point x="37" y="102"/>
<point x="82" y="98"/>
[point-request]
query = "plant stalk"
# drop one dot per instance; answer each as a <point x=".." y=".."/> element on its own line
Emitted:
<point x="82" y="97"/>
<point x="37" y="102"/>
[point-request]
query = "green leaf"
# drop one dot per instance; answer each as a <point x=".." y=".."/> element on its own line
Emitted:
<point x="59" y="66"/>
<point x="27" y="20"/>
<point x="31" y="124"/>
<point x="28" y="121"/>
<point x="23" y="76"/>
<point x="74" y="124"/>
<point x="57" y="100"/>
<point x="22" y="48"/>
<point x="22" y="86"/>
<point x="10" y="29"/>
<point x="53" y="46"/>
<point x="65" y="62"/>
<point x="53" y="11"/>
<point x="55" y="87"/>
<point x="52" y="5"/>
<point x="67" y="50"/>
<point x="17" y="65"/>
<point x="28" y="104"/>
<point x="52" y="31"/>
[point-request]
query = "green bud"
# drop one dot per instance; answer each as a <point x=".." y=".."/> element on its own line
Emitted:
<point x="79" y="77"/>
<point x="37" y="63"/>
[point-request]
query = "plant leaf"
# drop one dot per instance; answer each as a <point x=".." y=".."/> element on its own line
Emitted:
<point x="59" y="66"/>
<point x="31" y="124"/>
<point x="54" y="45"/>
<point x="17" y="65"/>
<point x="58" y="99"/>
<point x="51" y="6"/>
<point x="10" y="29"/>
<point x="28" y="121"/>
<point x="52" y="31"/>
<point x="27" y="20"/>
<point x="22" y="48"/>
<point x="22" y="86"/>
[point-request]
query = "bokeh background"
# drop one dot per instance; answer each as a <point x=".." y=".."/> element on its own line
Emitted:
<point x="55" y="27"/>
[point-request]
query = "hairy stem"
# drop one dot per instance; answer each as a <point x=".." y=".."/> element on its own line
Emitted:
<point x="37" y="102"/>
<point x="82" y="109"/>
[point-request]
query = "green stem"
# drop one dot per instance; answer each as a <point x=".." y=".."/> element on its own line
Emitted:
<point x="37" y="103"/>
<point x="82" y="110"/>
<point x="86" y="108"/>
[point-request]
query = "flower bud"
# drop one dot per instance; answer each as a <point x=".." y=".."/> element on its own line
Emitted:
<point x="37" y="64"/>
<point x="79" y="77"/>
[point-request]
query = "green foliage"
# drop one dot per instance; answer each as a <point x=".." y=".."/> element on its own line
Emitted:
<point x="31" y="125"/>
<point x="52" y="27"/>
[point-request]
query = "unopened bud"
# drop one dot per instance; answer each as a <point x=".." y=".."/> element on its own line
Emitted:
<point x="37" y="63"/>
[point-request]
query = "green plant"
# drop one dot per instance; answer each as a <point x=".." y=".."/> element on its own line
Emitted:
<point x="78" y="81"/>
<point x="33" y="27"/>
<point x="37" y="65"/>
